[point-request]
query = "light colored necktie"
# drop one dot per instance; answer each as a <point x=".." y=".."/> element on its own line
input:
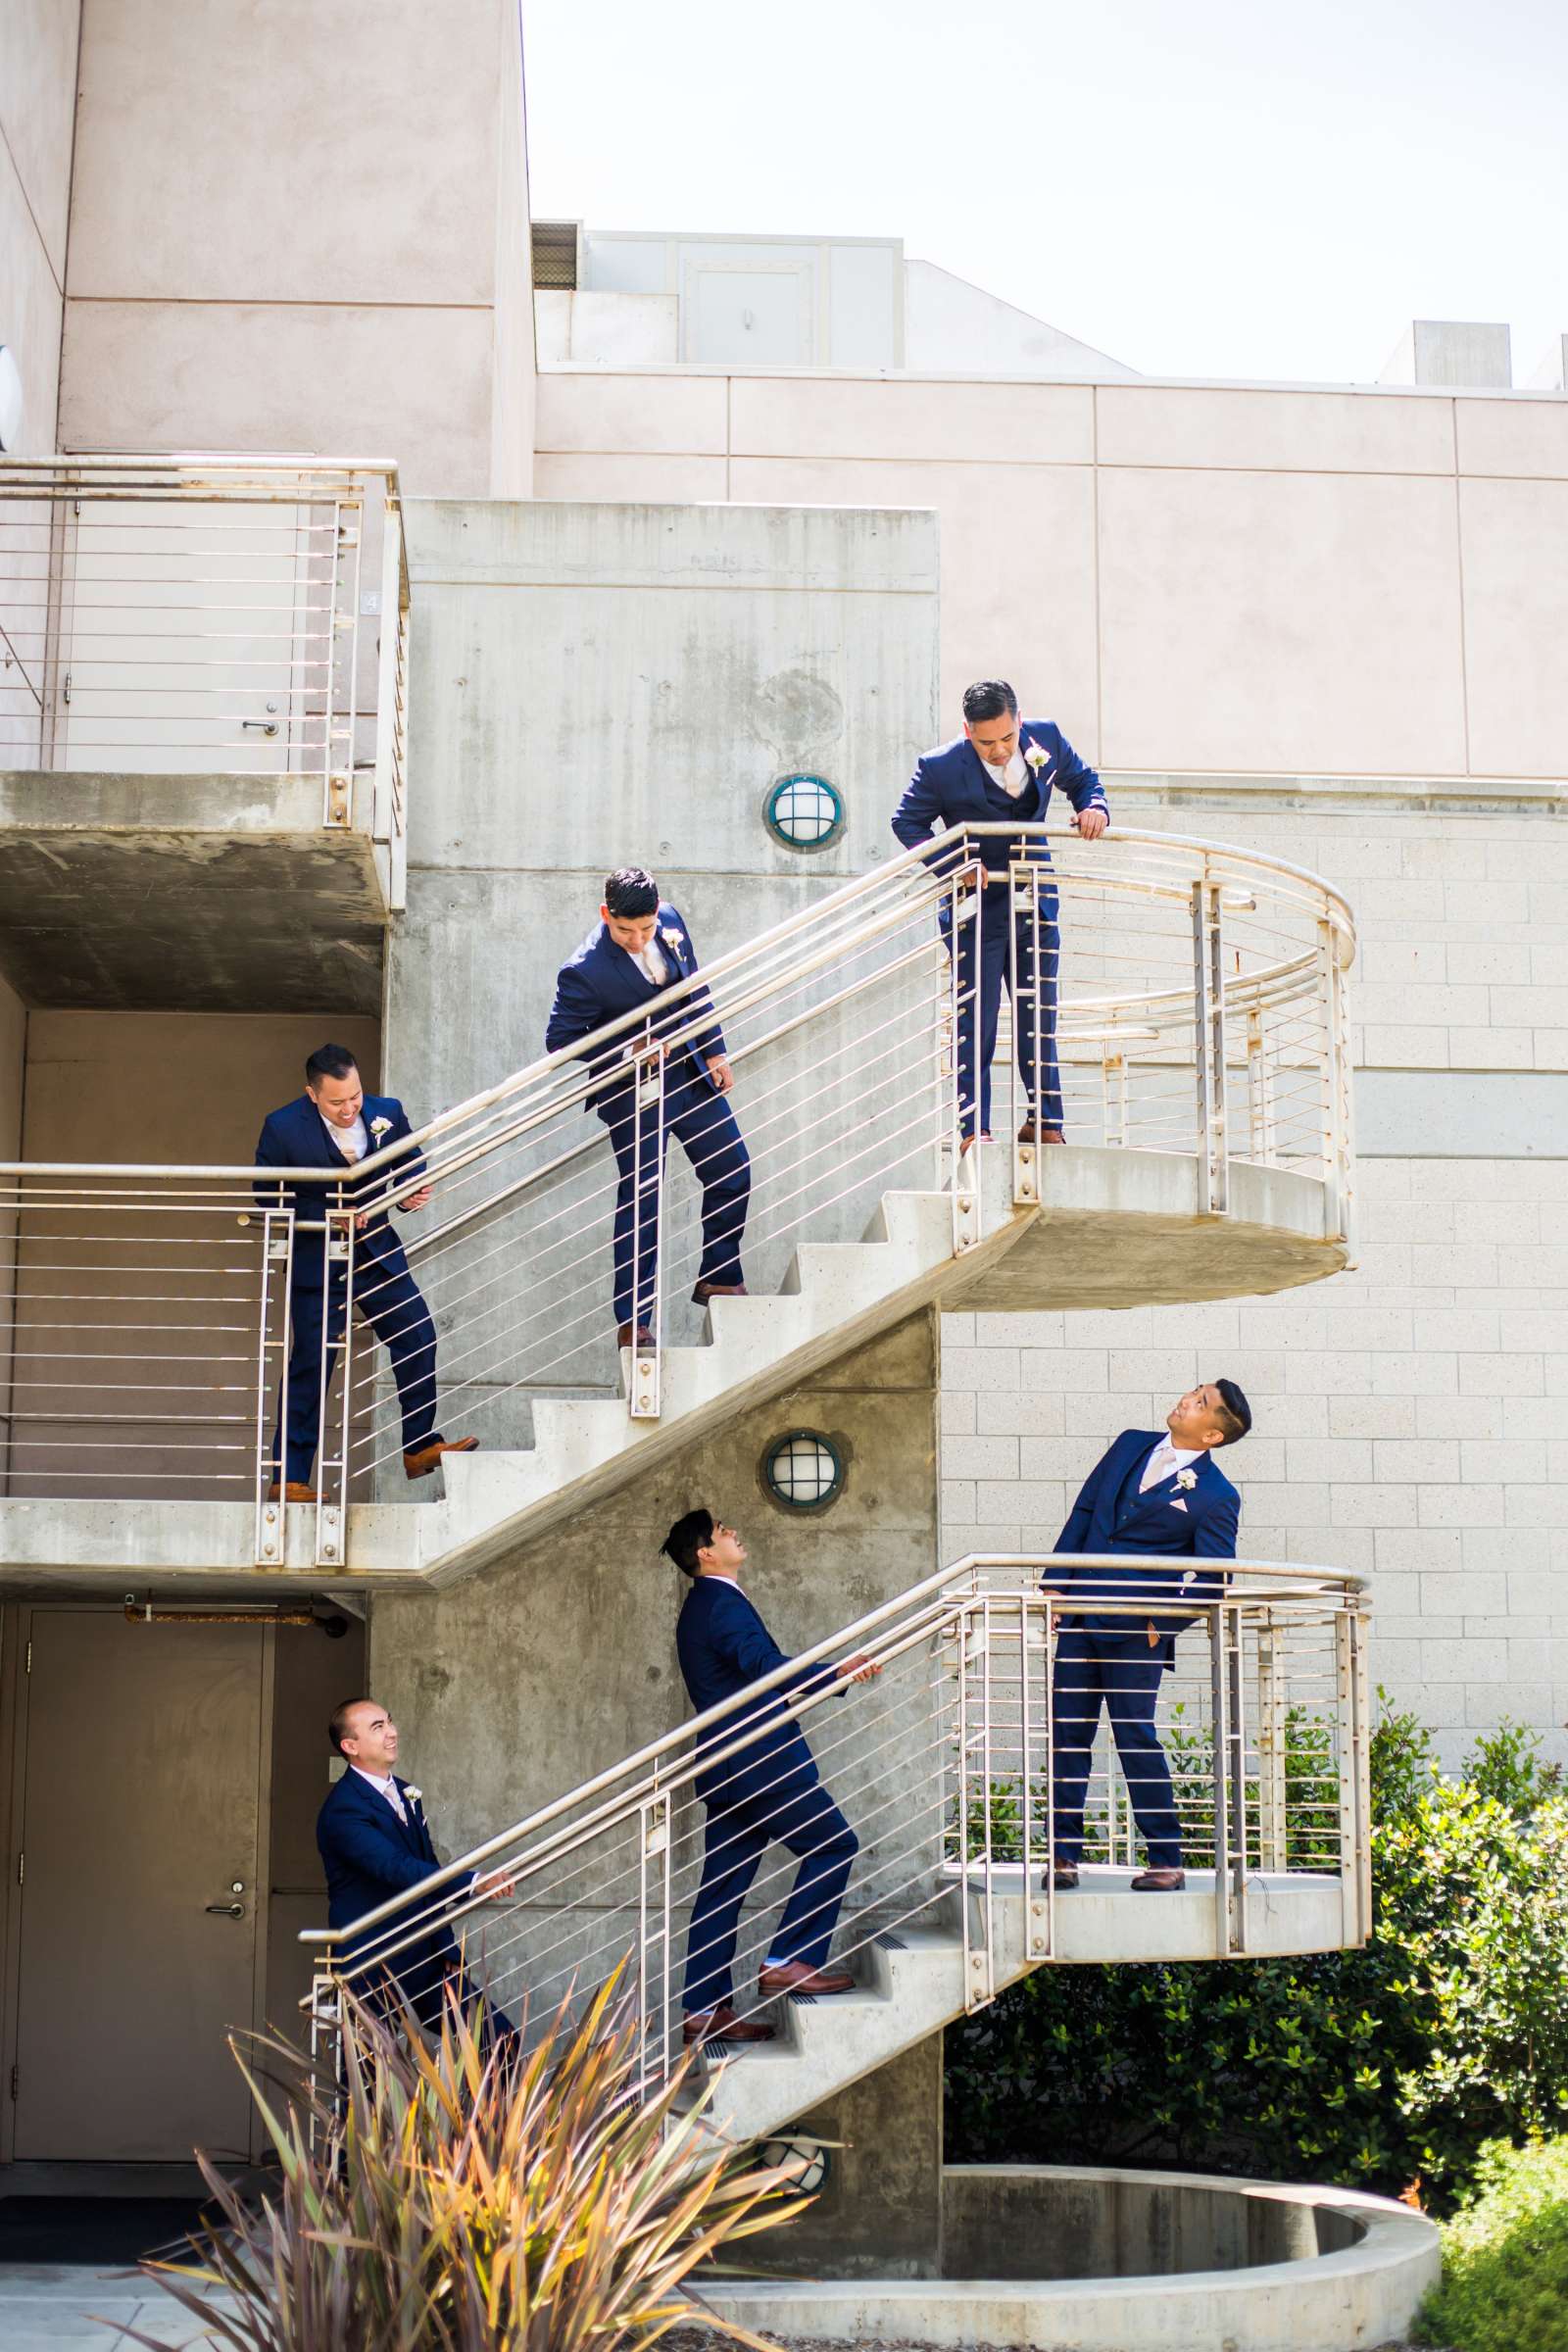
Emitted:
<point x="396" y="1802"/>
<point x="654" y="966"/>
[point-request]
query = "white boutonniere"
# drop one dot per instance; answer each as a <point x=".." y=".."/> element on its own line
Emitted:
<point x="380" y="1127"/>
<point x="671" y="936"/>
<point x="1037" y="756"/>
<point x="412" y="1794"/>
<point x="1187" y="1480"/>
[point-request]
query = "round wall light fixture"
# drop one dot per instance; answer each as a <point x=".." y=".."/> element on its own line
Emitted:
<point x="803" y="1470"/>
<point x="805" y="812"/>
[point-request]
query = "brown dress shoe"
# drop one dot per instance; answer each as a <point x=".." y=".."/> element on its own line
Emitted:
<point x="1160" y="1882"/>
<point x="1029" y="1133"/>
<point x="633" y="1335"/>
<point x="722" y="2024"/>
<point x="295" y="1491"/>
<point x="984" y="1138"/>
<point x="798" y="1975"/>
<point x="1063" y="1876"/>
<point x="420" y="1463"/>
<point x="718" y="1290"/>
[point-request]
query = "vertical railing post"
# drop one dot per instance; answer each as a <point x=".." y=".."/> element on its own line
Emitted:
<point x="1236" y="1776"/>
<point x="1036" y="1904"/>
<point x="342" y="657"/>
<point x="388" y="646"/>
<point x="965" y="1196"/>
<point x="648" y="1107"/>
<point x="981" y="1985"/>
<point x="332" y="1461"/>
<point x="1271" y="1736"/>
<point x="326" y="2046"/>
<point x="1260" y="1123"/>
<point x="1334" y="1086"/>
<point x="275" y="1289"/>
<point x="1209" y="1031"/>
<point x="653" y="1847"/>
<point x="1025" y="1157"/>
<point x="1219" y="1702"/>
<point x="1353" y="1756"/>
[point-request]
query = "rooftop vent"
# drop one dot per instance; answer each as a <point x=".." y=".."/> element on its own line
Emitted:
<point x="555" y="254"/>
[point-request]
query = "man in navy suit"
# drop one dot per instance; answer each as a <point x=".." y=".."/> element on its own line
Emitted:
<point x="1152" y="1492"/>
<point x="374" y="1843"/>
<point x="1004" y="767"/>
<point x="768" y="1792"/>
<point x="335" y="1124"/>
<point x="639" y="949"/>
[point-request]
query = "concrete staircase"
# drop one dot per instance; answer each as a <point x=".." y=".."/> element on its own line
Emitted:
<point x="836" y="1296"/>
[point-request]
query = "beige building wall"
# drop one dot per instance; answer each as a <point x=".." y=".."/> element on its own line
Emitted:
<point x="134" y="1362"/>
<point x="1315" y="583"/>
<point x="303" y="227"/>
<point x="38" y="108"/>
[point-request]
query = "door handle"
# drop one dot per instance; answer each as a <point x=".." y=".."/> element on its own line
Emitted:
<point x="228" y="1910"/>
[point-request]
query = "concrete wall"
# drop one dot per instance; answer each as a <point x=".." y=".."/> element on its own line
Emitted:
<point x="518" y="1682"/>
<point x="1323" y="583"/>
<point x="302" y="228"/>
<point x="595" y="686"/>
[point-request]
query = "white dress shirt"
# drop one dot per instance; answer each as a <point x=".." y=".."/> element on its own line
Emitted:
<point x="388" y="1788"/>
<point x="1013" y="777"/>
<point x="1164" y="1462"/>
<point x="352" y="1142"/>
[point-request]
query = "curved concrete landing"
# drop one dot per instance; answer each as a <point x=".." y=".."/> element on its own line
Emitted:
<point x="1127" y="1229"/>
<point x="1101" y="1918"/>
<point x="1291" y="2269"/>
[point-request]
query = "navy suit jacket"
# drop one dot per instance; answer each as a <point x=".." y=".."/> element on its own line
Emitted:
<point x="598" y="982"/>
<point x="296" y="1137"/>
<point x="950" y="787"/>
<point x="370" y="1856"/>
<point x="1195" y="1522"/>
<point x="723" y="1646"/>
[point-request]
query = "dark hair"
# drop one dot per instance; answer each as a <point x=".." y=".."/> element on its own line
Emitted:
<point x="340" y="1721"/>
<point x="691" y="1534"/>
<point x="1236" y="1415"/>
<point x="988" y="697"/>
<point x="630" y="892"/>
<point x="328" y="1061"/>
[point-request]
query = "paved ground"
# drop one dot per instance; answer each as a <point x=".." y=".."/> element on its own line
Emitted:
<point x="49" y="2308"/>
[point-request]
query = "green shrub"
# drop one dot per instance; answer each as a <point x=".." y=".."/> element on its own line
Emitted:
<point x="1379" y="2067"/>
<point x="1504" y="2284"/>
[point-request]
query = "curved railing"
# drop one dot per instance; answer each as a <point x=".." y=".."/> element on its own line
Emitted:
<point x="943" y="1766"/>
<point x="1201" y="1014"/>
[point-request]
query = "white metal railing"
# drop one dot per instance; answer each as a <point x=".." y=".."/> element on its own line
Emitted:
<point x="143" y="1309"/>
<point x="943" y="1765"/>
<point x="197" y="615"/>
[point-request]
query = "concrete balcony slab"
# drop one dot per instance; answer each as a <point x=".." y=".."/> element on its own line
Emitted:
<point x="188" y="893"/>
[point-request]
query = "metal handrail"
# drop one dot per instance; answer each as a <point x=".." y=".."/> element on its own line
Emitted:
<point x="650" y="1763"/>
<point x="718" y="970"/>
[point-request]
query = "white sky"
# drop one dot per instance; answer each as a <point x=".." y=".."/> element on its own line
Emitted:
<point x="1264" y="188"/>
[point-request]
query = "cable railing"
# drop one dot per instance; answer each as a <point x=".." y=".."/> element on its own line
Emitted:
<point x="196" y="614"/>
<point x="946" y="1766"/>
<point x="144" y="1310"/>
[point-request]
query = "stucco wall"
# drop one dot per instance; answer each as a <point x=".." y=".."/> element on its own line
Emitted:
<point x="302" y="228"/>
<point x="1314" y="582"/>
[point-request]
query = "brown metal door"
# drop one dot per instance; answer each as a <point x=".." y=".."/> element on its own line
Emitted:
<point x="140" y="1842"/>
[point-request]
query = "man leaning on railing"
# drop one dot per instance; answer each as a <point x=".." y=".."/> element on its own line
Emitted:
<point x="1004" y="767"/>
<point x="1154" y="1490"/>
<point x="335" y="1124"/>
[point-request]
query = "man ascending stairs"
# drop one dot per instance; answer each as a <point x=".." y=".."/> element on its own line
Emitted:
<point x="768" y="1792"/>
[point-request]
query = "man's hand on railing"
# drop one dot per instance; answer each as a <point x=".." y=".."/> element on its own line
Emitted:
<point x="859" y="1668"/>
<point x="494" y="1884"/>
<point x="721" y="1074"/>
<point x="1090" y="823"/>
<point x="419" y="1199"/>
